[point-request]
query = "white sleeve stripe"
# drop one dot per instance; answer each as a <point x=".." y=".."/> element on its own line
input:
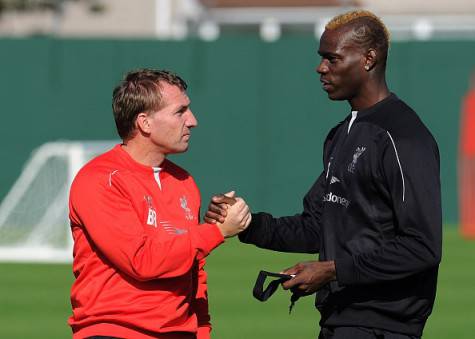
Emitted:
<point x="400" y="167"/>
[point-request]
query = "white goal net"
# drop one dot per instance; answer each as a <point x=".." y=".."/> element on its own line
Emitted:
<point x="34" y="224"/>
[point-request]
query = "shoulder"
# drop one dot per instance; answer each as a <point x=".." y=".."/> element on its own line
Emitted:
<point x="399" y="123"/>
<point x="98" y="171"/>
<point x="331" y="134"/>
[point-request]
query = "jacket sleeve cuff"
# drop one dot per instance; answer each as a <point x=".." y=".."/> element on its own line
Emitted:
<point x="345" y="270"/>
<point x="205" y="238"/>
<point x="203" y="332"/>
<point x="246" y="235"/>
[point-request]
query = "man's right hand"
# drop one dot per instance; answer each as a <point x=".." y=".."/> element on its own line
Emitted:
<point x="218" y="207"/>
<point x="237" y="220"/>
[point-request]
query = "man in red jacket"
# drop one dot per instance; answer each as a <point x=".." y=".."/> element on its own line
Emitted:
<point x="139" y="249"/>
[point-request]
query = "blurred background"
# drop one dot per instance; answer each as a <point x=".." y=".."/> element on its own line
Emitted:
<point x="250" y="66"/>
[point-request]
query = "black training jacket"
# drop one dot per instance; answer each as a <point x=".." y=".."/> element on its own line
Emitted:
<point x="376" y="211"/>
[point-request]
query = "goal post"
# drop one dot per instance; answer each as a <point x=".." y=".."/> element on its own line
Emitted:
<point x="34" y="223"/>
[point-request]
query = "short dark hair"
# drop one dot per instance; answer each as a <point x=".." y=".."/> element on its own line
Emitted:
<point x="140" y="91"/>
<point x="369" y="31"/>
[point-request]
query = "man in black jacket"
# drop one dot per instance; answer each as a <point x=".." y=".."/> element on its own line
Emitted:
<point x="374" y="213"/>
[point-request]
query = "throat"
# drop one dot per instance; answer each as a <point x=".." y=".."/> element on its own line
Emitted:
<point x="144" y="155"/>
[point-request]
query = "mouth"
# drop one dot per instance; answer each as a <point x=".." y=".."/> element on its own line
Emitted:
<point x="326" y="85"/>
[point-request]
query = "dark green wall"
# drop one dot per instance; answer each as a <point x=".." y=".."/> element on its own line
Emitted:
<point x="262" y="115"/>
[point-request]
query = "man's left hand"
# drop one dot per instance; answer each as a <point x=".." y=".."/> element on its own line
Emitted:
<point x="310" y="276"/>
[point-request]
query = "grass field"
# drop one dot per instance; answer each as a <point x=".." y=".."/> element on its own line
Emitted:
<point x="34" y="299"/>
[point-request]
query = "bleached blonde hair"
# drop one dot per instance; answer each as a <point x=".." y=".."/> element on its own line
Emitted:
<point x="369" y="30"/>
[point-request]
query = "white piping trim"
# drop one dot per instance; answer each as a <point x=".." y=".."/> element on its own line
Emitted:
<point x="400" y="167"/>
<point x="354" y="114"/>
<point x="156" y="174"/>
<point x="110" y="177"/>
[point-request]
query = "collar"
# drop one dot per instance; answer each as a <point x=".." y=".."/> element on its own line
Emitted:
<point x="377" y="106"/>
<point x="136" y="166"/>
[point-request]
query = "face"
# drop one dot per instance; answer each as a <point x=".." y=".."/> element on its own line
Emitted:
<point x="170" y="127"/>
<point x="342" y="65"/>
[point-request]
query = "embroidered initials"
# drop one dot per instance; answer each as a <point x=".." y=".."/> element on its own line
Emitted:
<point x="152" y="214"/>
<point x="152" y="217"/>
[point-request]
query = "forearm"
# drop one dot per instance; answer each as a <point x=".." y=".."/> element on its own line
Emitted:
<point x="396" y="259"/>
<point x="299" y="233"/>
<point x="147" y="257"/>
<point x="286" y="234"/>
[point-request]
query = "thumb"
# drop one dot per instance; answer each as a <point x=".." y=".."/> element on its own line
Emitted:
<point x="227" y="198"/>
<point x="292" y="270"/>
<point x="230" y="194"/>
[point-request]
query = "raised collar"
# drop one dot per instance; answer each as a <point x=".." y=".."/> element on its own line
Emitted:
<point x="377" y="106"/>
<point x="134" y="165"/>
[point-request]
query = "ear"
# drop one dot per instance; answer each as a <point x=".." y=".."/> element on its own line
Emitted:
<point x="370" y="59"/>
<point x="142" y="123"/>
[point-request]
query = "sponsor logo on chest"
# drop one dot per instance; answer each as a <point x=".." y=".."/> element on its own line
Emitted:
<point x="333" y="198"/>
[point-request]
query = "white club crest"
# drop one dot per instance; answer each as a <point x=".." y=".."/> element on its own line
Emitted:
<point x="358" y="152"/>
<point x="334" y="180"/>
<point x="186" y="209"/>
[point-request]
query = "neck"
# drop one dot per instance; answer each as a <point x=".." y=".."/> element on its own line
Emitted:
<point x="371" y="93"/>
<point x="143" y="153"/>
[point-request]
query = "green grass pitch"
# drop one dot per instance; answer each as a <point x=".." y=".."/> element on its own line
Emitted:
<point x="34" y="298"/>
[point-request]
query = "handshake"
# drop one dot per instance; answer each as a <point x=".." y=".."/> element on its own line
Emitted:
<point x="231" y="214"/>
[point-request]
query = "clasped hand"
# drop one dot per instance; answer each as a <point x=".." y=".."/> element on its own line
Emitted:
<point x="237" y="215"/>
<point x="310" y="276"/>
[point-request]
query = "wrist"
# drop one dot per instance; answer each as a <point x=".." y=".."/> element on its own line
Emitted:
<point x="330" y="270"/>
<point x="223" y="229"/>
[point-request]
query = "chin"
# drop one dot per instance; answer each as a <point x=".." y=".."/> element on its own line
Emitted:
<point x="334" y="96"/>
<point x="177" y="150"/>
<point x="182" y="149"/>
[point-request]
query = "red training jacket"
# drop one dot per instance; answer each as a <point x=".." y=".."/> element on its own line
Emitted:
<point x="138" y="251"/>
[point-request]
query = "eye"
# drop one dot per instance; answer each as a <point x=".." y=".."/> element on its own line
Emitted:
<point x="182" y="110"/>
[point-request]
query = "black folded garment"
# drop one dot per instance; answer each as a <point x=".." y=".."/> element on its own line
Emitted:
<point x="262" y="294"/>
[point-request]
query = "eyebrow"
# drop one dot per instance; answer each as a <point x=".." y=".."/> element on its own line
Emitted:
<point x="183" y="108"/>
<point x="327" y="54"/>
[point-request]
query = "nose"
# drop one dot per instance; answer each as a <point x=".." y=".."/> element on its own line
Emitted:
<point x="322" y="68"/>
<point x="191" y="120"/>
